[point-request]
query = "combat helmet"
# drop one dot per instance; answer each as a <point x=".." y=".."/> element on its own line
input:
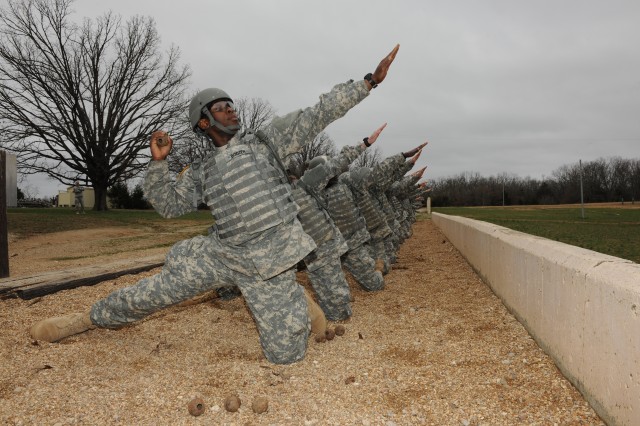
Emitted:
<point x="199" y="108"/>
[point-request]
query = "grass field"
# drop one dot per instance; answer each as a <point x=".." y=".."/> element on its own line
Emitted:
<point x="33" y="221"/>
<point x="606" y="229"/>
<point x="610" y="229"/>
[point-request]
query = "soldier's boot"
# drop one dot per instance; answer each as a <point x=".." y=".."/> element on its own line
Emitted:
<point x="380" y="266"/>
<point x="57" y="328"/>
<point x="316" y="315"/>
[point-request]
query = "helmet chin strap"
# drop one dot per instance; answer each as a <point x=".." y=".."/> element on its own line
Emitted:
<point x="230" y="130"/>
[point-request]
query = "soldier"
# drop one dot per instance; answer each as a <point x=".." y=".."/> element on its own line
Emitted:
<point x="342" y="207"/>
<point x="398" y="193"/>
<point x="257" y="240"/>
<point x="78" y="191"/>
<point x="323" y="264"/>
<point x="324" y="267"/>
<point x="379" y="177"/>
<point x="379" y="194"/>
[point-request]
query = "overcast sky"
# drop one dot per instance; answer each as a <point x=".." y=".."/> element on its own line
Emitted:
<point x="494" y="86"/>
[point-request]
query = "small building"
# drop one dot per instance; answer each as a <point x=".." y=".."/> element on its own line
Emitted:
<point x="68" y="199"/>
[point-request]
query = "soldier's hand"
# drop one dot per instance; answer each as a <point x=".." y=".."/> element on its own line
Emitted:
<point x="413" y="160"/>
<point x="374" y="136"/>
<point x="415" y="150"/>
<point x="419" y="173"/>
<point x="383" y="67"/>
<point x="160" y="144"/>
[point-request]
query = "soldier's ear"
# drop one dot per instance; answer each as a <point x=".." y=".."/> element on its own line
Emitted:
<point x="204" y="124"/>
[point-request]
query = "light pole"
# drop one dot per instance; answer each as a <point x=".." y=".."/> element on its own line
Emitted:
<point x="581" y="192"/>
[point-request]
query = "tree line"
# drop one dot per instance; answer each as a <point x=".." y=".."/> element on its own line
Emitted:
<point x="611" y="179"/>
<point x="79" y="98"/>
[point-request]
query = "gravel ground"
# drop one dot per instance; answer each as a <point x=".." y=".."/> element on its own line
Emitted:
<point x="436" y="347"/>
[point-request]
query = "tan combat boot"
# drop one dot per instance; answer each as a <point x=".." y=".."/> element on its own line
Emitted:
<point x="380" y="266"/>
<point x="54" y="329"/>
<point x="318" y="320"/>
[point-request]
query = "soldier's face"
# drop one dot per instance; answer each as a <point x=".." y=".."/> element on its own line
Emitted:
<point x="224" y="113"/>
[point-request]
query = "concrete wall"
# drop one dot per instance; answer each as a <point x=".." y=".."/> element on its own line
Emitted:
<point x="582" y="307"/>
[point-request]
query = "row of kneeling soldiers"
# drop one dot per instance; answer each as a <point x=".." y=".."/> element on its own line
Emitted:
<point x="268" y="221"/>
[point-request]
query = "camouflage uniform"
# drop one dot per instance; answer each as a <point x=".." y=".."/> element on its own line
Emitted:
<point x="254" y="247"/>
<point x="78" y="191"/>
<point x="381" y="194"/>
<point x="401" y="191"/>
<point x="342" y="207"/>
<point x="361" y="182"/>
<point x="324" y="268"/>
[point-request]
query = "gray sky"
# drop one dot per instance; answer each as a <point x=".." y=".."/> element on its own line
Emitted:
<point x="494" y="86"/>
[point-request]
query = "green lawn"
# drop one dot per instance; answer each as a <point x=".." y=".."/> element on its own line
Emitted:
<point x="33" y="221"/>
<point x="614" y="231"/>
<point x="609" y="230"/>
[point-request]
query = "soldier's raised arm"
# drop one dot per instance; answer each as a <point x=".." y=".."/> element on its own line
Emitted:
<point x="292" y="131"/>
<point x="324" y="168"/>
<point x="415" y="152"/>
<point x="380" y="73"/>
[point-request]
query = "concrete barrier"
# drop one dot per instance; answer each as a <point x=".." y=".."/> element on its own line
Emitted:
<point x="582" y="307"/>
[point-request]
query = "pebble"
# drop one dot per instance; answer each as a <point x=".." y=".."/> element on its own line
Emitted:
<point x="196" y="407"/>
<point x="260" y="405"/>
<point x="232" y="403"/>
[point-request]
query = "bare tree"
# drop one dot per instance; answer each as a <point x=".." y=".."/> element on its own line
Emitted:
<point x="83" y="99"/>
<point x="321" y="145"/>
<point x="187" y="148"/>
<point x="369" y="158"/>
<point x="253" y="113"/>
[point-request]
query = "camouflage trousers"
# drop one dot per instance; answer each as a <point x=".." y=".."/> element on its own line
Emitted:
<point x="407" y="232"/>
<point x="378" y="251"/>
<point x="332" y="290"/>
<point x="193" y="267"/>
<point x="390" y="249"/>
<point x="79" y="204"/>
<point x="391" y="244"/>
<point x="361" y="265"/>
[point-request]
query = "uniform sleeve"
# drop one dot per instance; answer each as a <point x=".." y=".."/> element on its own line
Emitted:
<point x="384" y="173"/>
<point x="404" y="168"/>
<point x="169" y="198"/>
<point x="318" y="177"/>
<point x="294" y="130"/>
<point x="406" y="186"/>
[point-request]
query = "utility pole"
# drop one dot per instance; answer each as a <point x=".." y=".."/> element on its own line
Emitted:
<point x="581" y="192"/>
<point x="502" y="192"/>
